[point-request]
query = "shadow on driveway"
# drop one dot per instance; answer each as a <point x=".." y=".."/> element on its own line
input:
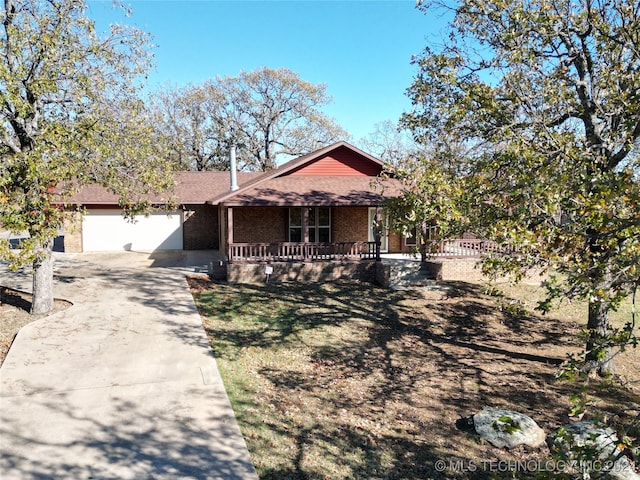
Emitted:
<point x="121" y="385"/>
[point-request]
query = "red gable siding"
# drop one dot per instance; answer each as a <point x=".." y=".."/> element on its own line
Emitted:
<point x="340" y="162"/>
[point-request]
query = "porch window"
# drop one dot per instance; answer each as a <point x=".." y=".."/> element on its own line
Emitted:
<point x="318" y="224"/>
<point x="295" y="225"/>
<point x="410" y="239"/>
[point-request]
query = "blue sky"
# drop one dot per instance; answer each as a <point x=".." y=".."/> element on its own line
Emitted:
<point x="361" y="49"/>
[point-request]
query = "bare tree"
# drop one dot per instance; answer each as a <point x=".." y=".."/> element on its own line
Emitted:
<point x="271" y="114"/>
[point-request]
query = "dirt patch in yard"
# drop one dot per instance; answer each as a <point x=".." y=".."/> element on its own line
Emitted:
<point x="347" y="380"/>
<point x="14" y="314"/>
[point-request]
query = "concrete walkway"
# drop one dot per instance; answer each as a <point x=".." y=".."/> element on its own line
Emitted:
<point x="123" y="384"/>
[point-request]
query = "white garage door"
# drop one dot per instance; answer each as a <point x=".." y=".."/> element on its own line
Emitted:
<point x="107" y="230"/>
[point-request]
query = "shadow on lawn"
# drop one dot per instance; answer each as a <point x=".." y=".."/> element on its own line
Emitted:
<point x="15" y="298"/>
<point x="382" y="400"/>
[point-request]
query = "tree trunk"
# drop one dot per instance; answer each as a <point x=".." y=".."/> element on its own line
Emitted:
<point x="598" y="356"/>
<point x="423" y="238"/>
<point x="43" y="280"/>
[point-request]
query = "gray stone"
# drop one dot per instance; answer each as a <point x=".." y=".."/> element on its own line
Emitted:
<point x="604" y="441"/>
<point x="508" y="429"/>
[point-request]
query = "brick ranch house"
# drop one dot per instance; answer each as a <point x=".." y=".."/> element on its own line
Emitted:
<point x="325" y="198"/>
<point x="320" y="208"/>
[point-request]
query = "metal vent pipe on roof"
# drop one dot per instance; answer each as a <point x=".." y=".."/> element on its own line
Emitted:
<point x="233" y="167"/>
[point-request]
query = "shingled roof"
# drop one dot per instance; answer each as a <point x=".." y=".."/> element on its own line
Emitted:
<point x="287" y="185"/>
<point x="312" y="190"/>
<point x="191" y="188"/>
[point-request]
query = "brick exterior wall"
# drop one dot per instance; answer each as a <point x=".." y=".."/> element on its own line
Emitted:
<point x="270" y="224"/>
<point x="467" y="270"/>
<point x="350" y="224"/>
<point x="73" y="232"/>
<point x="305" y="272"/>
<point x="260" y="224"/>
<point x="398" y="244"/>
<point x="200" y="228"/>
<point x="377" y="273"/>
<point x="395" y="243"/>
<point x="463" y="269"/>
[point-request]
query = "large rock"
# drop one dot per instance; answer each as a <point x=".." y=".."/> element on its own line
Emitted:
<point x="603" y="441"/>
<point x="508" y="429"/>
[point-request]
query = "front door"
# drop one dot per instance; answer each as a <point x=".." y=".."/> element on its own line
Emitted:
<point x="384" y="234"/>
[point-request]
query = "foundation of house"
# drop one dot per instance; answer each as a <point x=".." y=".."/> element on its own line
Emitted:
<point x="458" y="269"/>
<point x="388" y="272"/>
<point x="368" y="271"/>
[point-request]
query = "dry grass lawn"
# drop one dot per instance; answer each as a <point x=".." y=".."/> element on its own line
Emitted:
<point x="348" y="380"/>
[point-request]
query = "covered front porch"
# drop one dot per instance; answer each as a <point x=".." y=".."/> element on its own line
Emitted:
<point x="269" y="234"/>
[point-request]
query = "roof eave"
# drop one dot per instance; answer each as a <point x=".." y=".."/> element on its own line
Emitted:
<point x="301" y="204"/>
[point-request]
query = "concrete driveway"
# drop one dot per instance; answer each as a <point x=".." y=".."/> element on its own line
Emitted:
<point x="123" y="384"/>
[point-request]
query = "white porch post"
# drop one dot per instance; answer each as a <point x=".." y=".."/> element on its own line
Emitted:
<point x="378" y="238"/>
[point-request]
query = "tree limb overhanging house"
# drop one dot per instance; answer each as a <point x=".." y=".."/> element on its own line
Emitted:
<point x="323" y="206"/>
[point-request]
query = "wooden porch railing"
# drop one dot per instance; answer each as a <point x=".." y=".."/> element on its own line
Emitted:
<point x="301" y="252"/>
<point x="463" y="248"/>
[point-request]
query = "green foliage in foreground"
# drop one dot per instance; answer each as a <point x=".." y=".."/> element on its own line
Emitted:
<point x="71" y="116"/>
<point x="545" y="95"/>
